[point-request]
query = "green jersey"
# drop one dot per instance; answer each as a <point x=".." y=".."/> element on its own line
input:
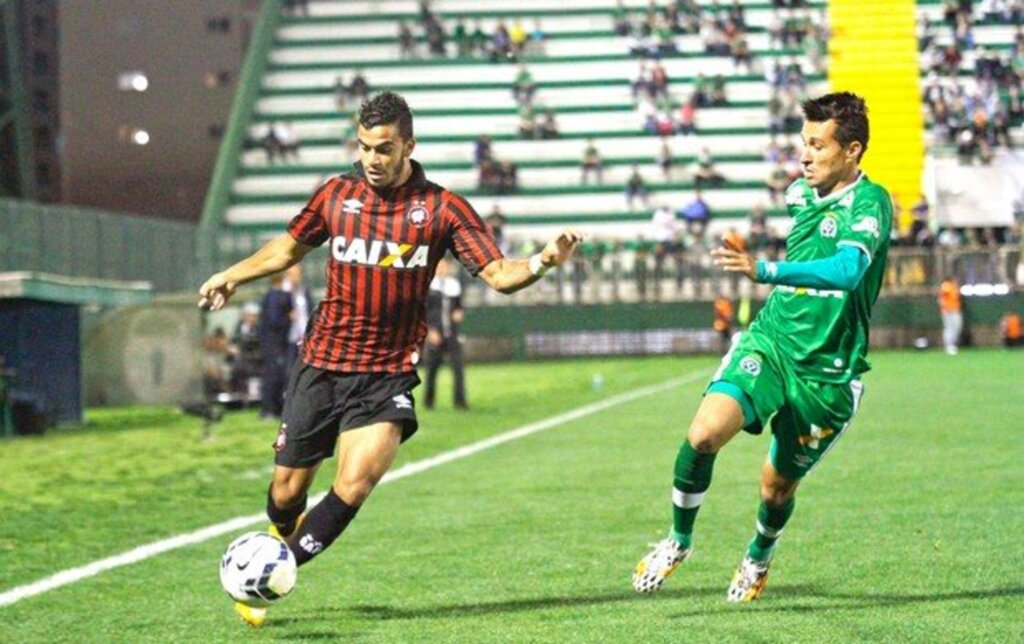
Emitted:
<point x="824" y="333"/>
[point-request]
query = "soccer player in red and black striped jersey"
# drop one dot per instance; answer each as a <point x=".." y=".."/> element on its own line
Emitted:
<point x="387" y="227"/>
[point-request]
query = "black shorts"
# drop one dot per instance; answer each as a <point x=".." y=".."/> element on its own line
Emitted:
<point x="320" y="404"/>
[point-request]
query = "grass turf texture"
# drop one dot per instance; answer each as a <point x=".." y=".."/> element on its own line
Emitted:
<point x="908" y="532"/>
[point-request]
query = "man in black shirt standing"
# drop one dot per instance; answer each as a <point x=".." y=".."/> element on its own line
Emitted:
<point x="444" y="318"/>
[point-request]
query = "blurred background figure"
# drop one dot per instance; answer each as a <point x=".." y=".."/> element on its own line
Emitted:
<point x="952" y="316"/>
<point x="275" y="326"/>
<point x="444" y="318"/>
<point x="301" y="309"/>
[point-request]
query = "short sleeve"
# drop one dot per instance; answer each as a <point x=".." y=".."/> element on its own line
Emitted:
<point x="310" y="226"/>
<point x="472" y="241"/>
<point x="868" y="224"/>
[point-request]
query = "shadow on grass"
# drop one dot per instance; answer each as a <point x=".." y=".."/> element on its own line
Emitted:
<point x="384" y="613"/>
<point x="784" y="596"/>
<point x="853" y="601"/>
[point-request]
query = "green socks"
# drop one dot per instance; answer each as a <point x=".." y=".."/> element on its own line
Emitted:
<point x="770" y="522"/>
<point x="692" y="478"/>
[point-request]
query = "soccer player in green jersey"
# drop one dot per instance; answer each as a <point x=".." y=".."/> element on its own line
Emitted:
<point x="797" y="371"/>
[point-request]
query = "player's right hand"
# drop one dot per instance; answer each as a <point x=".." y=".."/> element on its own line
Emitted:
<point x="215" y="292"/>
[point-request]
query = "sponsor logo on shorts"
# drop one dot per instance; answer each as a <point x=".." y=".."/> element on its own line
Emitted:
<point x="402" y="401"/>
<point x="282" y="437"/>
<point x="751" y="366"/>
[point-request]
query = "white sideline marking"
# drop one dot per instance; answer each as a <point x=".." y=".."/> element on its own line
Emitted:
<point x="72" y="575"/>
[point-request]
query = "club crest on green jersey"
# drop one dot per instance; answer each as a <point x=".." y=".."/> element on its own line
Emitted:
<point x="828" y="227"/>
<point x="751" y="366"/>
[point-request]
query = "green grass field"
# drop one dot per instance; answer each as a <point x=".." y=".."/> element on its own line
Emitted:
<point x="910" y="531"/>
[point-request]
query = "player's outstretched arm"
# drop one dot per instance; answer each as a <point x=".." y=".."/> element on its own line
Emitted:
<point x="843" y="271"/>
<point x="510" y="275"/>
<point x="277" y="255"/>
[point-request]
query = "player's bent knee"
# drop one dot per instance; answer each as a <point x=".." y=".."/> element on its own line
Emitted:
<point x="706" y="438"/>
<point x="289" y="488"/>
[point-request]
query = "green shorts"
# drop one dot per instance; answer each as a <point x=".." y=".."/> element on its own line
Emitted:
<point x="806" y="417"/>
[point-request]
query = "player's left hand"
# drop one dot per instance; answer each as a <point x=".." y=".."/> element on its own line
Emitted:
<point x="560" y="248"/>
<point x="732" y="260"/>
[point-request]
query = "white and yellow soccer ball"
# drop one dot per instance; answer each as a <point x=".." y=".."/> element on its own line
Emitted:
<point x="258" y="569"/>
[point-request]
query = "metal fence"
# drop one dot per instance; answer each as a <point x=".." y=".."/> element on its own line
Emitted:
<point x="627" y="276"/>
<point x="81" y="242"/>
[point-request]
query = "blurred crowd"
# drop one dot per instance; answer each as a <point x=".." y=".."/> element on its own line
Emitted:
<point x="973" y="112"/>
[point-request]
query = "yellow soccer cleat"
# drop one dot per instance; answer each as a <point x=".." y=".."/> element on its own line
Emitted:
<point x="749" y="581"/>
<point x="254" y="617"/>
<point x="655" y="568"/>
<point x="274" y="531"/>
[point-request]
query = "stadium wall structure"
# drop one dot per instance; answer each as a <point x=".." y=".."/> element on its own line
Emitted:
<point x="519" y="332"/>
<point x="152" y="353"/>
<point x="145" y="354"/>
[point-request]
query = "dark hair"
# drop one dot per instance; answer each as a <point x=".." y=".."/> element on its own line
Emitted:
<point x="848" y="111"/>
<point x="387" y="108"/>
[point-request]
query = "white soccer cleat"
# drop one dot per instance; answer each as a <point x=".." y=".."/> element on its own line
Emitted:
<point x="655" y="568"/>
<point x="749" y="581"/>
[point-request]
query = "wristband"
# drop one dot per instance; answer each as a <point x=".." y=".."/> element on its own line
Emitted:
<point x="537" y="267"/>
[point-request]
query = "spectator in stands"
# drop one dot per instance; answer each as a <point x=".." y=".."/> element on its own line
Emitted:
<point x="549" y="126"/>
<point x="737" y="15"/>
<point x="621" y="23"/>
<point x="287" y="140"/>
<point x="636" y="187"/>
<point x="501" y="43"/>
<point x="696" y="215"/>
<point x="527" y="122"/>
<point x="702" y="91"/>
<point x="640" y="84"/>
<point x="482" y="149"/>
<point x="777" y="183"/>
<point x="518" y="36"/>
<point x="705" y="173"/>
<point x="659" y="81"/>
<point x="275" y="323"/>
<point x="406" y="41"/>
<point x="270" y="144"/>
<point x="688" y="117"/>
<point x="436" y="37"/>
<point x="664" y="225"/>
<point x="479" y="41"/>
<point x="340" y="93"/>
<point x="537" y="44"/>
<point x="524" y="86"/>
<point x="952" y="316"/>
<point x="359" y="88"/>
<point x="718" y="95"/>
<point x="508" y="175"/>
<point x="739" y="50"/>
<point x="297" y="7"/>
<point x="665" y="159"/>
<point x="591" y="162"/>
<point x="919" y="232"/>
<point x="460" y="36"/>
<point x="647" y="115"/>
<point x="488" y="177"/>
<point x="497" y="222"/>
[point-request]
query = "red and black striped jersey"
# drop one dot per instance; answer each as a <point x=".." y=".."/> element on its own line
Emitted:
<point x="384" y="248"/>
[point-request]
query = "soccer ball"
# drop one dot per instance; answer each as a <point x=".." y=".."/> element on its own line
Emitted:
<point x="258" y="569"/>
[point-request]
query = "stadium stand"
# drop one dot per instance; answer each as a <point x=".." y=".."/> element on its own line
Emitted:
<point x="585" y="75"/>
